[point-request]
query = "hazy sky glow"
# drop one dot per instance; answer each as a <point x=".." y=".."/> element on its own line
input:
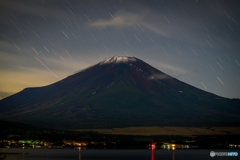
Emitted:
<point x="197" y="42"/>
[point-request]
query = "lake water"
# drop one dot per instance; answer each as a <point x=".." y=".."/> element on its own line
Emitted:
<point x="114" y="154"/>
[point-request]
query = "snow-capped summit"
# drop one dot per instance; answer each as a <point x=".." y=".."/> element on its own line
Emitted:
<point x="117" y="60"/>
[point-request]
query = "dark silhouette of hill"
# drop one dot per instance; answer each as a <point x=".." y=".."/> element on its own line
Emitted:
<point x="119" y="92"/>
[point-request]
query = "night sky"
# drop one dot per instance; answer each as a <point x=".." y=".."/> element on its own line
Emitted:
<point x="195" y="41"/>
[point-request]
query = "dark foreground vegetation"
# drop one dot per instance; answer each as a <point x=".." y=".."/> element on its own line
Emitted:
<point x="24" y="135"/>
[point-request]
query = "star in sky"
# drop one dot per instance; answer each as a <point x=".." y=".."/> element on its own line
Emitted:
<point x="194" y="41"/>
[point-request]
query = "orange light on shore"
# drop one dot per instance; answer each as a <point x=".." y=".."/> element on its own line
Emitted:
<point x="153" y="146"/>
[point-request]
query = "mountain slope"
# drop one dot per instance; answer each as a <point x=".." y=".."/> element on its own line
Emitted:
<point x="120" y="92"/>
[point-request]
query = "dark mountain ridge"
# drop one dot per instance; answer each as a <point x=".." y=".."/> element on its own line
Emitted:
<point x="120" y="92"/>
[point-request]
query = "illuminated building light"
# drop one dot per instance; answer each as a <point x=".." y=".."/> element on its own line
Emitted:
<point x="152" y="146"/>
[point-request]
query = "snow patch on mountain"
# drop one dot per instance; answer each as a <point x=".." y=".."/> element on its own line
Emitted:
<point x="120" y="59"/>
<point x="117" y="60"/>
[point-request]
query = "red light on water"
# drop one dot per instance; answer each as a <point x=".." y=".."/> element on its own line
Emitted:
<point x="152" y="154"/>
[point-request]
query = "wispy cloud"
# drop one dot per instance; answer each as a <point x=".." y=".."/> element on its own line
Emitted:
<point x="168" y="68"/>
<point x="120" y="19"/>
<point x="160" y="30"/>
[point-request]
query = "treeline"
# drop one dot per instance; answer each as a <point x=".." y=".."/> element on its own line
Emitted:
<point x="19" y="131"/>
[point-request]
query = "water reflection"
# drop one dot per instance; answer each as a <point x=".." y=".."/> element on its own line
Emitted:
<point x="173" y="155"/>
<point x="79" y="154"/>
<point x="93" y="154"/>
<point x="152" y="154"/>
<point x="23" y="151"/>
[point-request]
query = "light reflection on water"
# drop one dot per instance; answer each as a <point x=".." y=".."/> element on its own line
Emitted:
<point x="173" y="156"/>
<point x="79" y="154"/>
<point x="152" y="154"/>
<point x="109" y="154"/>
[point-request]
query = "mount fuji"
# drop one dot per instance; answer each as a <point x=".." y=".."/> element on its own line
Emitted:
<point x="119" y="92"/>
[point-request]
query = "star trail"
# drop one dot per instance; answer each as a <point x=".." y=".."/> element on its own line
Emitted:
<point x="196" y="42"/>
